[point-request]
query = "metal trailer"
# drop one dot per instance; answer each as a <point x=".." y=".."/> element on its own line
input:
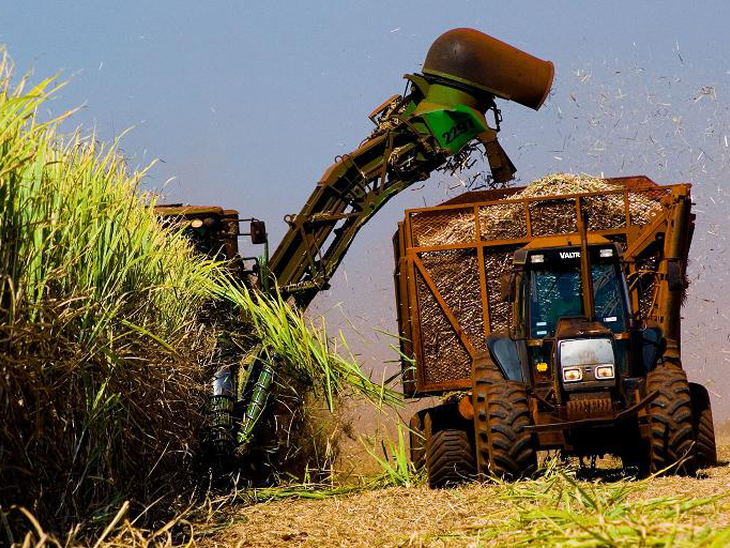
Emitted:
<point x="464" y="274"/>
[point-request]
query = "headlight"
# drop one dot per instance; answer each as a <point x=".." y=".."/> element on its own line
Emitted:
<point x="587" y="359"/>
<point x="572" y="374"/>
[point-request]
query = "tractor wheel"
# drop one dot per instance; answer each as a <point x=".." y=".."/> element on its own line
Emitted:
<point x="704" y="431"/>
<point x="449" y="458"/>
<point x="501" y="413"/>
<point x="670" y="417"/>
<point x="417" y="437"/>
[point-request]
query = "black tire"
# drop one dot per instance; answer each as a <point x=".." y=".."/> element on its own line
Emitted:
<point x="512" y="453"/>
<point x="671" y="446"/>
<point x="449" y="459"/>
<point x="417" y="437"/>
<point x="704" y="430"/>
<point x="501" y="413"/>
<point x="484" y="372"/>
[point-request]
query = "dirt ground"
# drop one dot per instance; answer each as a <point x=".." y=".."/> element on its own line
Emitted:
<point x="419" y="516"/>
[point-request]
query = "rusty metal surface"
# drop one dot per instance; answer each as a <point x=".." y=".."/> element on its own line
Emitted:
<point x="478" y="196"/>
<point x="559" y="427"/>
<point x="403" y="310"/>
<point x="479" y="60"/>
<point x="676" y="248"/>
<point x="465" y="407"/>
<point x="575" y="328"/>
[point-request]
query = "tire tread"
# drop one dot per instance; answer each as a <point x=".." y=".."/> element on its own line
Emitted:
<point x="672" y="433"/>
<point x="449" y="458"/>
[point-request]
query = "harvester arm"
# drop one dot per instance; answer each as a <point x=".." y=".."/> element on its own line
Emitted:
<point x="441" y="114"/>
<point x="400" y="152"/>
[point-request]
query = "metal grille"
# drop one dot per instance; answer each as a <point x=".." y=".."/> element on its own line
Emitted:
<point x="605" y="212"/>
<point x="647" y="272"/>
<point x="445" y="358"/>
<point x="431" y="228"/>
<point x="549" y="217"/>
<point x="497" y="262"/>
<point x="644" y="205"/>
<point x="455" y="273"/>
<point x="503" y="222"/>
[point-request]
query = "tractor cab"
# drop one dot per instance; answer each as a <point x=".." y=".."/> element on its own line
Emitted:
<point x="552" y="285"/>
<point x="572" y="315"/>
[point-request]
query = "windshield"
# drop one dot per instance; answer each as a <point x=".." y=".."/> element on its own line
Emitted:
<point x="554" y="292"/>
<point x="607" y="299"/>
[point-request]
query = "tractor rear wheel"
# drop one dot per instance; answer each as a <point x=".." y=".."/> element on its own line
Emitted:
<point x="501" y="413"/>
<point x="449" y="458"/>
<point x="704" y="430"/>
<point x="670" y="417"/>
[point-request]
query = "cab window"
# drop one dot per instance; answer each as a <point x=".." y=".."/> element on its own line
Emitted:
<point x="554" y="291"/>
<point x="608" y="296"/>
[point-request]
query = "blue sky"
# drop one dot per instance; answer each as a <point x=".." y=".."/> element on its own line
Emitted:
<point x="247" y="103"/>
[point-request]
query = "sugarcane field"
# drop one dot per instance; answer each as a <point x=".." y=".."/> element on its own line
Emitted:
<point x="364" y="274"/>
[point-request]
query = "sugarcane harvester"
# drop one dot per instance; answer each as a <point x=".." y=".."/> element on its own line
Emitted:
<point x="435" y="124"/>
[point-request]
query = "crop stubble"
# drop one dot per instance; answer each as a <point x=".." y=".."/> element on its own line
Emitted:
<point x="549" y="511"/>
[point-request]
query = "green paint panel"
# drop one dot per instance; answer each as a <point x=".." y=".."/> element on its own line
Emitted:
<point x="454" y="128"/>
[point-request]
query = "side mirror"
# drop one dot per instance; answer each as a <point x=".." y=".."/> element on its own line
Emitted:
<point x="507" y="283"/>
<point x="675" y="280"/>
<point x="258" y="232"/>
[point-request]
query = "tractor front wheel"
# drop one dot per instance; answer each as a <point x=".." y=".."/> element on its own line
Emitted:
<point x="670" y="417"/>
<point x="501" y="412"/>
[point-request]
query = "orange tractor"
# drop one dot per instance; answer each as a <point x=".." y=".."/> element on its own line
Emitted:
<point x="555" y="321"/>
